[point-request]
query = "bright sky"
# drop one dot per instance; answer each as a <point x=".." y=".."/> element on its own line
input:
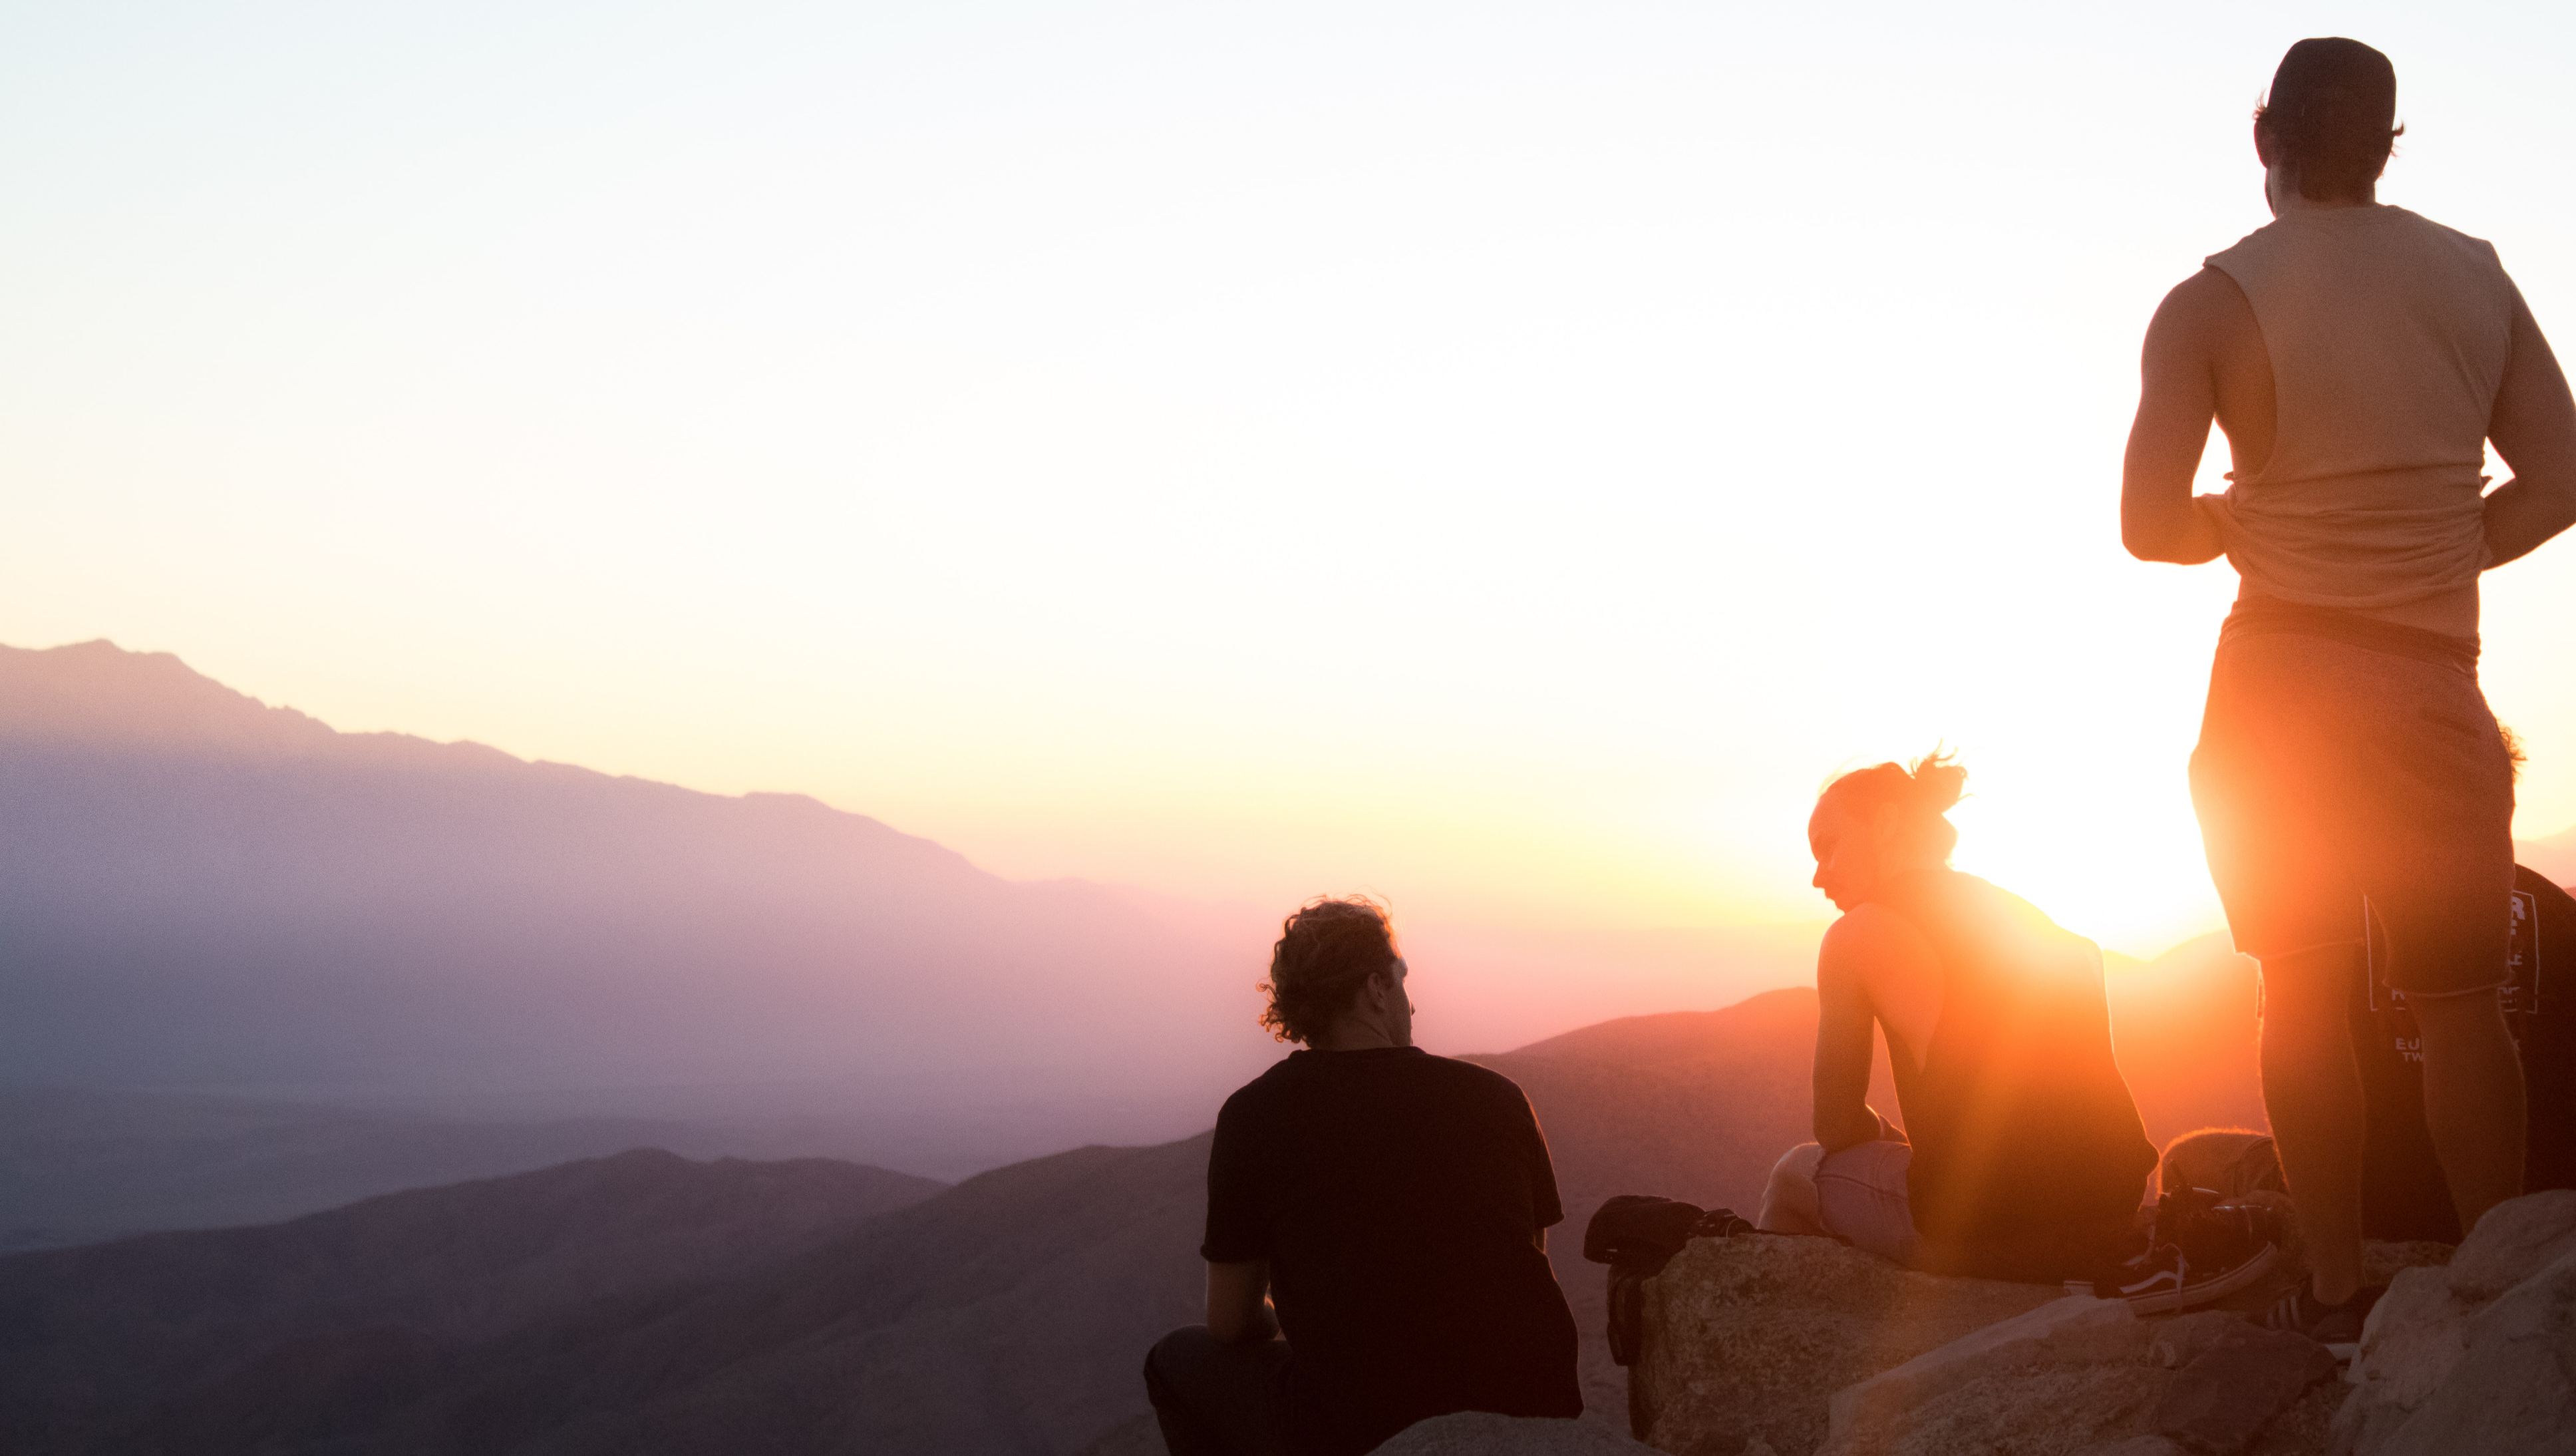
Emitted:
<point x="1501" y="455"/>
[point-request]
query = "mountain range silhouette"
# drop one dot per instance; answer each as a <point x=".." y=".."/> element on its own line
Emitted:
<point x="202" y="895"/>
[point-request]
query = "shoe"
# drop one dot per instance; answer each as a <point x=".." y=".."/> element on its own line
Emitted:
<point x="2335" y="1326"/>
<point x="2202" y="1250"/>
<point x="2165" y="1278"/>
<point x="1721" y="1223"/>
<point x="2214" y="1234"/>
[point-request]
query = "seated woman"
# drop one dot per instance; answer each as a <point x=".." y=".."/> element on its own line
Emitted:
<point x="2022" y="1155"/>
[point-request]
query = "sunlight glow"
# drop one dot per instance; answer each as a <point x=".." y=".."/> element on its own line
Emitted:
<point x="1503" y="459"/>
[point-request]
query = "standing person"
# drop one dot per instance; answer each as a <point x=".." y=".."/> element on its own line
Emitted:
<point x="2350" y="780"/>
<point x="2022" y="1156"/>
<point x="1393" y="1208"/>
<point x="2402" y="1192"/>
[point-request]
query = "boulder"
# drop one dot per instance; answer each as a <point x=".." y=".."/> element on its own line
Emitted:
<point x="2513" y="1389"/>
<point x="1476" y="1433"/>
<point x="2042" y="1409"/>
<point x="1748" y="1338"/>
<point x="1778" y="1346"/>
<point x="2066" y="1376"/>
<point x="2413" y="1337"/>
<point x="2516" y="1239"/>
<point x="2224" y="1397"/>
<point x="2064" y="1334"/>
<point x="2178" y="1341"/>
<point x="2419" y="1340"/>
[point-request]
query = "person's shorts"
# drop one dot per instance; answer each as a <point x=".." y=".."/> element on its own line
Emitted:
<point x="2330" y="774"/>
<point x="1862" y="1198"/>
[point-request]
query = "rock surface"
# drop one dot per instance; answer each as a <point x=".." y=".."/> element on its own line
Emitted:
<point x="2512" y="1391"/>
<point x="1476" y="1433"/>
<point x="2178" y="1341"/>
<point x="1987" y="1381"/>
<point x="2224" y="1397"/>
<point x="1749" y="1338"/>
<point x="2480" y="1355"/>
<point x="1795" y="1347"/>
<point x="2041" y="1403"/>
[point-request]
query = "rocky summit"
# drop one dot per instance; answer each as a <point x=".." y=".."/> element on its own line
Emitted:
<point x="1766" y="1345"/>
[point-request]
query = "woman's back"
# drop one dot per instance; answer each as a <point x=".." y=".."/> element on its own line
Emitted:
<point x="2021" y="1123"/>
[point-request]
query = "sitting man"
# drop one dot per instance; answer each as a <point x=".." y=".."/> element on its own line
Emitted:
<point x="2026" y="1159"/>
<point x="1394" y="1206"/>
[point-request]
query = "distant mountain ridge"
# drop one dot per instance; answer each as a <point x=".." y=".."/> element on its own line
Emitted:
<point x="200" y="891"/>
<point x="81" y="1167"/>
<point x="1006" y="1316"/>
<point x="2553" y="855"/>
<point x="92" y="1339"/>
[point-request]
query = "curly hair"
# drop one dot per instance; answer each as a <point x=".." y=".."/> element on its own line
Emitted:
<point x="1922" y="794"/>
<point x="1327" y="950"/>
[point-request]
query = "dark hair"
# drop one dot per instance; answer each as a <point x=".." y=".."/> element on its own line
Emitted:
<point x="1326" y="951"/>
<point x="2330" y="117"/>
<point x="1921" y="794"/>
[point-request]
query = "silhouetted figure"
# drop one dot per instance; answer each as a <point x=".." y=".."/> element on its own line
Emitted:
<point x="1394" y="1208"/>
<point x="2350" y="780"/>
<point x="2022" y="1154"/>
<point x="2403" y="1195"/>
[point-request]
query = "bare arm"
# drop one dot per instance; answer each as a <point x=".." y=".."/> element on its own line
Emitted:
<point x="2534" y="430"/>
<point x="1844" y="1023"/>
<point x="1238" y="1303"/>
<point x="2177" y="400"/>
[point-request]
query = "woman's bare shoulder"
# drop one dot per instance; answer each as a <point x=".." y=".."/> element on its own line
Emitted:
<point x="1872" y="937"/>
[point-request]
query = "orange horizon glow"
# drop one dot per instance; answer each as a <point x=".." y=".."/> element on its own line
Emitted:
<point x="1504" y="462"/>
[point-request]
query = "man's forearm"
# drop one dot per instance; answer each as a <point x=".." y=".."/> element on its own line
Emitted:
<point x="1261" y="1324"/>
<point x="2184" y="532"/>
<point x="2523" y="513"/>
<point x="1238" y="1302"/>
<point x="1244" y="1326"/>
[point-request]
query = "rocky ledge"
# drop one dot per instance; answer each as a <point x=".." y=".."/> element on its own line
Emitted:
<point x="1746" y="1340"/>
<point x="2479" y="1355"/>
<point x="1771" y="1346"/>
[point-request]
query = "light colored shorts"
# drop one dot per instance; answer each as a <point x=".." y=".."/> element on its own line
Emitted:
<point x="1862" y="1199"/>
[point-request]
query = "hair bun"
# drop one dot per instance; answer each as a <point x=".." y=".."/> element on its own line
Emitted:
<point x="1939" y="781"/>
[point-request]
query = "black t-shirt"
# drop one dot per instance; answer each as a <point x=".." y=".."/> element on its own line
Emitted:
<point x="2403" y="1195"/>
<point x="1398" y="1197"/>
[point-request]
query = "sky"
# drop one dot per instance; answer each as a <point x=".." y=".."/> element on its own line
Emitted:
<point x="1500" y="456"/>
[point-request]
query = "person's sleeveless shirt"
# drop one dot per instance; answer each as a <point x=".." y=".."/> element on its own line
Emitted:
<point x="2388" y="336"/>
<point x="2022" y="1126"/>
